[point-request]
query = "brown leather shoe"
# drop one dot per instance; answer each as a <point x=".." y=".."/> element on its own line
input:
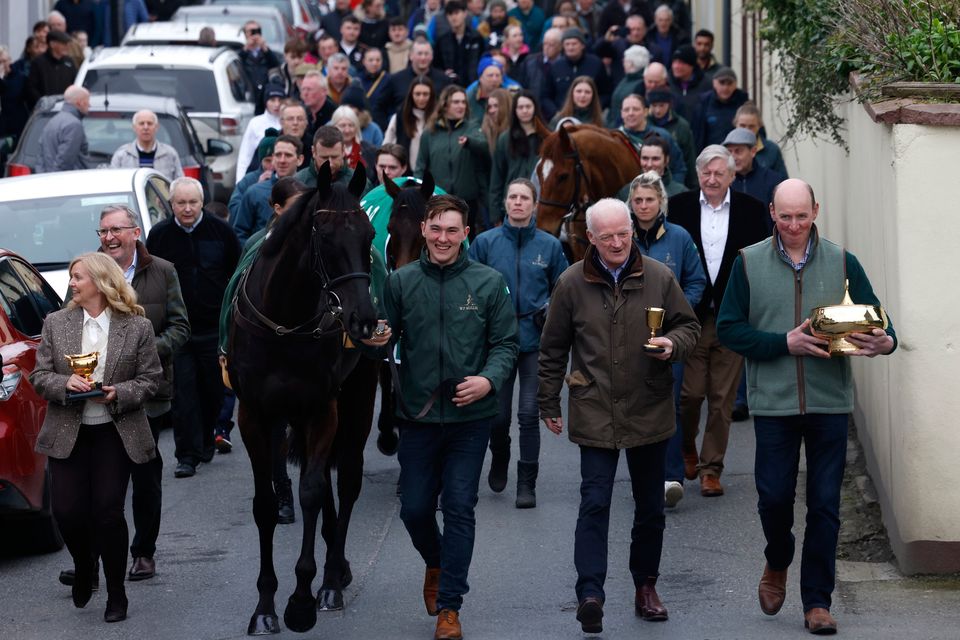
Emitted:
<point x="772" y="590"/>
<point x="710" y="486"/>
<point x="590" y="614"/>
<point x="142" y="569"/>
<point x="431" y="586"/>
<point x="448" y="626"/>
<point x="690" y="461"/>
<point x="819" y="622"/>
<point x="647" y="604"/>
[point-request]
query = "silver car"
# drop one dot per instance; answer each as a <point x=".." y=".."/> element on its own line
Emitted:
<point x="50" y="218"/>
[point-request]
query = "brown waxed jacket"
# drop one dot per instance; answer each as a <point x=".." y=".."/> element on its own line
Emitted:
<point x="131" y="365"/>
<point x="620" y="397"/>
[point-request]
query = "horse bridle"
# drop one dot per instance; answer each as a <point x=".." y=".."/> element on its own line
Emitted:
<point x="577" y="208"/>
<point x="332" y="307"/>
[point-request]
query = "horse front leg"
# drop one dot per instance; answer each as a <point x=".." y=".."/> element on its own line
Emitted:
<point x="355" y="410"/>
<point x="301" y="612"/>
<point x="256" y="439"/>
<point x="388" y="438"/>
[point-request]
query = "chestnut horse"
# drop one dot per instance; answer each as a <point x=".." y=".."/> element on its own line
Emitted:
<point x="580" y="164"/>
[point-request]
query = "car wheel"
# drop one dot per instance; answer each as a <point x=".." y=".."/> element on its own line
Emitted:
<point x="41" y="533"/>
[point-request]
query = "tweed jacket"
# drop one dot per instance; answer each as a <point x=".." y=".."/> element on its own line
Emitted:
<point x="131" y="365"/>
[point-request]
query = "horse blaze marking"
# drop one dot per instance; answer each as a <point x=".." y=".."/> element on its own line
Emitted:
<point x="547" y="166"/>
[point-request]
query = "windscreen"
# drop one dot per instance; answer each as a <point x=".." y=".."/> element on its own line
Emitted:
<point x="194" y="89"/>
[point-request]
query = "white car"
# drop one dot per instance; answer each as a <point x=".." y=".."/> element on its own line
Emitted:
<point x="184" y="33"/>
<point x="208" y="82"/>
<point x="51" y="218"/>
<point x="304" y="16"/>
<point x="276" y="28"/>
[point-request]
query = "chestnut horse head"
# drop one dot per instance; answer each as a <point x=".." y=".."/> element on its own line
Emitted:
<point x="579" y="165"/>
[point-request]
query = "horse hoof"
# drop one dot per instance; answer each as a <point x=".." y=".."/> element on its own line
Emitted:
<point x="300" y="614"/>
<point x="387" y="442"/>
<point x="263" y="624"/>
<point x="330" y="600"/>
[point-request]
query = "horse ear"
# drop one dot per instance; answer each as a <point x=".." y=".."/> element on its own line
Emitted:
<point x="391" y="187"/>
<point x="358" y="181"/>
<point x="323" y="179"/>
<point x="565" y="143"/>
<point x="428" y="185"/>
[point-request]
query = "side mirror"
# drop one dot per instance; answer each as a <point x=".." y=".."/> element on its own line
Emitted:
<point x="216" y="147"/>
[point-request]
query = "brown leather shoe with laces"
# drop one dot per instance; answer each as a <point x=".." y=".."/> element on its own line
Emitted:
<point x="448" y="626"/>
<point x="819" y="622"/>
<point x="772" y="590"/>
<point x="431" y="587"/>
<point x="648" y="605"/>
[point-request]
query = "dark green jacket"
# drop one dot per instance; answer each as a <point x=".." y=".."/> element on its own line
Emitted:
<point x="452" y="322"/>
<point x="765" y="299"/>
<point x="308" y="176"/>
<point x="462" y="171"/>
<point x="506" y="168"/>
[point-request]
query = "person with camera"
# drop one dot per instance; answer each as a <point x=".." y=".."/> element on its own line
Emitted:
<point x="530" y="261"/>
<point x="458" y="344"/>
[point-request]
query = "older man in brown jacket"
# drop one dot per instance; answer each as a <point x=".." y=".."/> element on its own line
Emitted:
<point x="621" y="396"/>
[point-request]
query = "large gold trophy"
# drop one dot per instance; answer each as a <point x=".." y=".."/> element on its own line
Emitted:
<point x="836" y="322"/>
<point x="654" y="321"/>
<point x="83" y="365"/>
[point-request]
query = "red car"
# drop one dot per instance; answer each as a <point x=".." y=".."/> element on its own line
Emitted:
<point x="25" y="515"/>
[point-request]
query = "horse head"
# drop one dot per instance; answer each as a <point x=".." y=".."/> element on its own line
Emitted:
<point x="409" y="204"/>
<point x="328" y="239"/>
<point x="557" y="174"/>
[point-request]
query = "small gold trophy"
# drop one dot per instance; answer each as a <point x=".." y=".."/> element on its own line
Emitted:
<point x="654" y="321"/>
<point x="83" y="365"/>
<point x="836" y="322"/>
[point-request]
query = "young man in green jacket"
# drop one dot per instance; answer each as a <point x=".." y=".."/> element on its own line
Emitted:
<point x="797" y="390"/>
<point x="458" y="344"/>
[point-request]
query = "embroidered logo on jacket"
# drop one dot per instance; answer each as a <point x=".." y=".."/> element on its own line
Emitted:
<point x="470" y="305"/>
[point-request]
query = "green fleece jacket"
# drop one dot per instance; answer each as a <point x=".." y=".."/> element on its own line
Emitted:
<point x="460" y="170"/>
<point x="452" y="322"/>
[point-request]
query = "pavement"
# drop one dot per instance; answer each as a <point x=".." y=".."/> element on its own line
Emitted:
<point x="522" y="577"/>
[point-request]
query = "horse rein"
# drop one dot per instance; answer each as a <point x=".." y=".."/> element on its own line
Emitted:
<point x="312" y="328"/>
<point x="577" y="207"/>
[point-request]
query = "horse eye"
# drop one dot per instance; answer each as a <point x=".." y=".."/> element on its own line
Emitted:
<point x="562" y="177"/>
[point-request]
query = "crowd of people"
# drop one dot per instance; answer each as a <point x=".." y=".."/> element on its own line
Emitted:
<point x="711" y="233"/>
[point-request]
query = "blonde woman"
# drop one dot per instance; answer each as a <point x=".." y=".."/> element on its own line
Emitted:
<point x="92" y="443"/>
<point x="496" y="119"/>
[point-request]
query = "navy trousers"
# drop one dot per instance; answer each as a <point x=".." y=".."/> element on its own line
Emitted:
<point x="448" y="456"/>
<point x="777" y="462"/>
<point x="598" y="467"/>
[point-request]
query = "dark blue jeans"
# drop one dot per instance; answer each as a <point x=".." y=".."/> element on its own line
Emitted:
<point x="777" y="462"/>
<point x="447" y="456"/>
<point x="528" y="412"/>
<point x="598" y="467"/>
<point x="674" y="466"/>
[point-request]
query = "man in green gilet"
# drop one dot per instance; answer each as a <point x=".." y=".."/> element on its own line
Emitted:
<point x="796" y="390"/>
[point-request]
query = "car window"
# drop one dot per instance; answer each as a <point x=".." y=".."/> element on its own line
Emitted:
<point x="49" y="232"/>
<point x="239" y="88"/>
<point x="44" y="297"/>
<point x="17" y="301"/>
<point x="158" y="196"/>
<point x="195" y="89"/>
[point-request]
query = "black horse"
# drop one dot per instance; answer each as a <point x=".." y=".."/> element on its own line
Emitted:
<point x="403" y="247"/>
<point x="301" y="304"/>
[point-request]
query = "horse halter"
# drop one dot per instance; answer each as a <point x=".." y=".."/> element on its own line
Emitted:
<point x="577" y="207"/>
<point x="320" y="268"/>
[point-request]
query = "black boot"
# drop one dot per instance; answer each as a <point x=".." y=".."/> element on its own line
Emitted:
<point x="499" y="461"/>
<point x="527" y="484"/>
<point x="285" y="513"/>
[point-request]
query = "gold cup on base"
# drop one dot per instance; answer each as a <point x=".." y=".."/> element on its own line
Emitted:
<point x="836" y="322"/>
<point x="654" y="321"/>
<point x="83" y="365"/>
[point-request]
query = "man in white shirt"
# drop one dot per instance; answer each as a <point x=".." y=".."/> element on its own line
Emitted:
<point x="721" y="223"/>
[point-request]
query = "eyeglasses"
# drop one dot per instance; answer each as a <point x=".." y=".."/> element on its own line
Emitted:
<point x="115" y="231"/>
<point x="255" y="32"/>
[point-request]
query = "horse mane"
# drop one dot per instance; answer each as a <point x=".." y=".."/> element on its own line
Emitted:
<point x="551" y="147"/>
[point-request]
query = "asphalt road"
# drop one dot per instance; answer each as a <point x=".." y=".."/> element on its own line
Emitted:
<point x="521" y="580"/>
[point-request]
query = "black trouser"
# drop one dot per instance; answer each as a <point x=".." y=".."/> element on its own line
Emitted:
<point x="147" y="496"/>
<point x="198" y="397"/>
<point x="89" y="491"/>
